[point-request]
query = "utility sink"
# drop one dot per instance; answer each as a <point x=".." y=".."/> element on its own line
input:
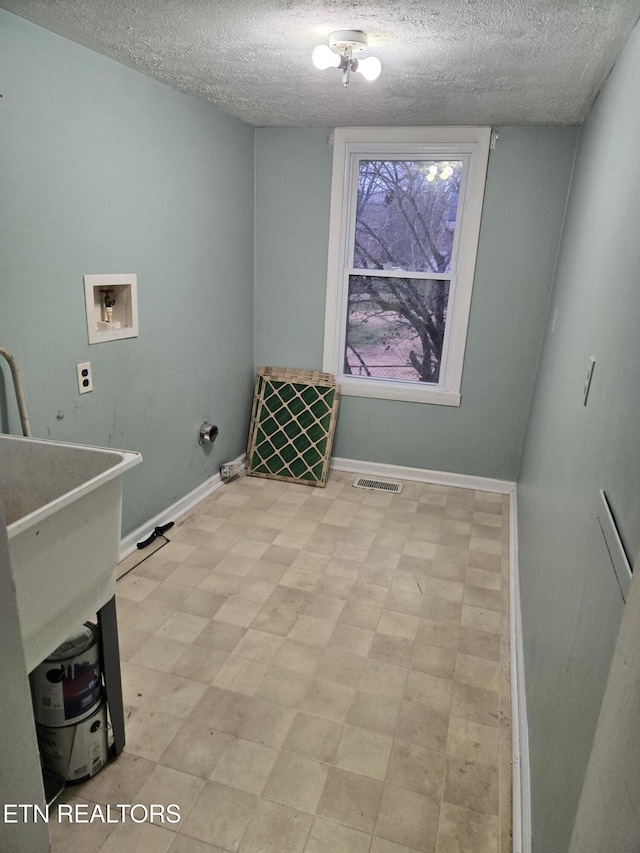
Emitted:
<point x="63" y="505"/>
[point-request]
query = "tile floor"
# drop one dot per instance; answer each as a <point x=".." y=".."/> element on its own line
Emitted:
<point x="317" y="670"/>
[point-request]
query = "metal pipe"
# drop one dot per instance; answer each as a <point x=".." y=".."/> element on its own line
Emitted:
<point x="22" y="406"/>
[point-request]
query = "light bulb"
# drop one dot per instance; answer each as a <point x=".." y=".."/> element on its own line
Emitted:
<point x="323" y="57"/>
<point x="370" y="68"/>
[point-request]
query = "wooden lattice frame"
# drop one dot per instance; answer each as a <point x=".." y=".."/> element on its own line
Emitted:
<point x="293" y="422"/>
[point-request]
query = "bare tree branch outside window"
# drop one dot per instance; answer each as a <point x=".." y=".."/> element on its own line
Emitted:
<point x="405" y="223"/>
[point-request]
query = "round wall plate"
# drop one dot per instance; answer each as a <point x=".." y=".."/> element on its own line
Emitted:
<point x="340" y="40"/>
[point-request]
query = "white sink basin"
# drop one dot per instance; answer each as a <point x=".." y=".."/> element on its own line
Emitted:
<point x="63" y="506"/>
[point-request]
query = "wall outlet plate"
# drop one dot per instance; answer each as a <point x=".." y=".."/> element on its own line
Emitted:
<point x="85" y="379"/>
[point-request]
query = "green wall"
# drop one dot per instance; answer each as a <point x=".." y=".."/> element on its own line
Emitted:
<point x="571" y="605"/>
<point x="106" y="171"/>
<point x="526" y="191"/>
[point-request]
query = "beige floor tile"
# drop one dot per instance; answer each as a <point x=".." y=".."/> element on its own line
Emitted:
<point x="276" y="829"/>
<point x="434" y="660"/>
<point x="130" y="641"/>
<point x="184" y="627"/>
<point x="442" y="610"/>
<point x="296" y="781"/>
<point x="244" y="765"/>
<point x="479" y="643"/>
<point x="477" y="671"/>
<point x="475" y="704"/>
<point x="417" y="768"/>
<point x="360" y="615"/>
<point x="199" y="664"/>
<point x="258" y="646"/>
<point x="364" y="751"/>
<point x="76" y="837"/>
<point x="429" y="690"/>
<point x="340" y="667"/>
<point x="422" y="726"/>
<point x="168" y="595"/>
<point x="236" y="611"/>
<point x="402" y="601"/>
<point x="141" y="837"/>
<point x="381" y="845"/>
<point x="166" y="786"/>
<point x="219" y="816"/>
<point x="472" y="786"/>
<point x="159" y="653"/>
<point x="341" y="568"/>
<point x="267" y="570"/>
<point x="398" y="625"/>
<point x="482" y="619"/>
<point x="265" y="723"/>
<point x="483" y="578"/>
<point x="328" y="699"/>
<point x="241" y="675"/>
<point x="254" y="589"/>
<point x="187" y="574"/>
<point x="335" y="586"/>
<point x="378" y="715"/>
<point x="465" y="831"/>
<point x="408" y="818"/>
<point x="348" y="638"/>
<point x="393" y="650"/>
<point x="315" y="737"/>
<point x="220" y="636"/>
<point x="301" y="578"/>
<point x="299" y="657"/>
<point x="136" y="588"/>
<point x="220" y="584"/>
<point x="329" y="837"/>
<point x="283" y="687"/>
<point x="143" y="616"/>
<point x="350" y="799"/>
<point x="118" y="782"/>
<point x="195" y="750"/>
<point x="184" y="844"/>
<point x="200" y="602"/>
<point x="473" y="742"/>
<point x="368" y="593"/>
<point x="149" y="733"/>
<point x="435" y="633"/>
<point x="275" y="619"/>
<point x="323" y="607"/>
<point x="384" y="679"/>
<point x="308" y="629"/>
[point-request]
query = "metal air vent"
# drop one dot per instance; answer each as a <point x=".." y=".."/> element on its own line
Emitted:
<point x="378" y="485"/>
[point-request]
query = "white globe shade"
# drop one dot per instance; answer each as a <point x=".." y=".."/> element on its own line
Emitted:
<point x="370" y="67"/>
<point x="323" y="57"/>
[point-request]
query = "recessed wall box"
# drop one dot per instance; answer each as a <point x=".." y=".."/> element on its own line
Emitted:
<point x="112" y="307"/>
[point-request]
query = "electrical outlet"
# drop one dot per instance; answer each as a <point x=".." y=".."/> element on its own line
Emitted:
<point x="587" y="381"/>
<point x="85" y="380"/>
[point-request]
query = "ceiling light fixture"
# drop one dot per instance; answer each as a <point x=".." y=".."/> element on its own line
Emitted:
<point x="339" y="54"/>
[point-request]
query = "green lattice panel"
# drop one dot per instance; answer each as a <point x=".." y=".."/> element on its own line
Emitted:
<point x="293" y="422"/>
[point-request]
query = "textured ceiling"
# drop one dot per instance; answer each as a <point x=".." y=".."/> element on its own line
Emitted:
<point x="443" y="61"/>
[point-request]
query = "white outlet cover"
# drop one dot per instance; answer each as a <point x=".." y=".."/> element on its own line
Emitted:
<point x="85" y="379"/>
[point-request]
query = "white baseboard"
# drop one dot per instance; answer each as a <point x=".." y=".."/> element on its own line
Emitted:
<point x="519" y="727"/>
<point x="423" y="475"/>
<point x="128" y="543"/>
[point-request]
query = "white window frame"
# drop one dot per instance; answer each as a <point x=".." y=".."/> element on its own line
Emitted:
<point x="350" y="144"/>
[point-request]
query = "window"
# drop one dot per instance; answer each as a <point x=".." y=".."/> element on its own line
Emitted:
<point x="404" y="224"/>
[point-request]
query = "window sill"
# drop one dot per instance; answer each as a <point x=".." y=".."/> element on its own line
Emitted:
<point x="408" y="394"/>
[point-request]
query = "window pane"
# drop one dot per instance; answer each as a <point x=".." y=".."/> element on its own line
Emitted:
<point x="406" y="214"/>
<point x="395" y="328"/>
